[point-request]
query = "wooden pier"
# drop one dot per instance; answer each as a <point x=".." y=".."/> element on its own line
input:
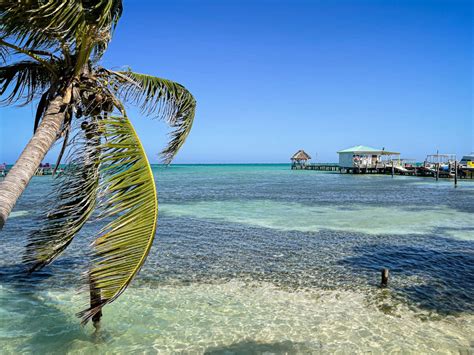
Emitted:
<point x="362" y="159"/>
<point x="40" y="171"/>
<point x="321" y="167"/>
<point x="455" y="172"/>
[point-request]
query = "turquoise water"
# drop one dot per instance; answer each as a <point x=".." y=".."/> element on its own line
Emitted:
<point x="259" y="258"/>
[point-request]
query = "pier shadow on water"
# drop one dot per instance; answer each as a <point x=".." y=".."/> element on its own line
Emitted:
<point x="434" y="278"/>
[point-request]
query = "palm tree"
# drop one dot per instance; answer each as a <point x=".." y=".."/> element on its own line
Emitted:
<point x="50" y="52"/>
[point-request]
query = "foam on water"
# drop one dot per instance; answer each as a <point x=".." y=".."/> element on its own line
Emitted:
<point x="232" y="316"/>
<point x="356" y="218"/>
<point x="18" y="214"/>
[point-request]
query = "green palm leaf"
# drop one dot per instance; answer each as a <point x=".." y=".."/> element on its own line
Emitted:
<point x="4" y="54"/>
<point x="76" y="199"/>
<point x="129" y="197"/>
<point x="23" y="81"/>
<point x="53" y="21"/>
<point x="162" y="99"/>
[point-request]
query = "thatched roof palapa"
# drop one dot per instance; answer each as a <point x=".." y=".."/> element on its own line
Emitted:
<point x="300" y="155"/>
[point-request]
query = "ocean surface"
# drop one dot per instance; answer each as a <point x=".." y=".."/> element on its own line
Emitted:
<point x="262" y="259"/>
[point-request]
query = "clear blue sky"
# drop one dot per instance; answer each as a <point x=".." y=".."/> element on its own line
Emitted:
<point x="271" y="77"/>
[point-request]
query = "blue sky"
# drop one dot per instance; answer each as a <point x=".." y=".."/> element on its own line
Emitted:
<point x="271" y="77"/>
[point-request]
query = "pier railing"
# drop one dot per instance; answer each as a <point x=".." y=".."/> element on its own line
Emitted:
<point x="315" y="166"/>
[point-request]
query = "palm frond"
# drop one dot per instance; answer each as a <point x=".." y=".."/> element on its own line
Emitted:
<point x="35" y="54"/>
<point x="4" y="54"/>
<point x="21" y="82"/>
<point x="76" y="192"/>
<point x="47" y="23"/>
<point x="40" y="23"/>
<point x="130" y="199"/>
<point x="159" y="98"/>
<point x="40" y="110"/>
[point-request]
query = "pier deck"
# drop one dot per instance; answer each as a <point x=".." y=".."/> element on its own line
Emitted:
<point x="384" y="169"/>
<point x="38" y="172"/>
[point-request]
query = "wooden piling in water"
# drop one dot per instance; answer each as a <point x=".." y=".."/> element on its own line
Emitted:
<point x="385" y="274"/>
<point x="455" y="173"/>
<point x="95" y="299"/>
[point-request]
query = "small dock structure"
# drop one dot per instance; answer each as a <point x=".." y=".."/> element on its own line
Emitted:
<point x="362" y="159"/>
<point x="299" y="160"/>
<point x="43" y="169"/>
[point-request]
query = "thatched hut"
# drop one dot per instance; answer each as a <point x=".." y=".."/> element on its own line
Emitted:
<point x="300" y="158"/>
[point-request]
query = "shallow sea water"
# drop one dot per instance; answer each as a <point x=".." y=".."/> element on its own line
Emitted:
<point x="262" y="259"/>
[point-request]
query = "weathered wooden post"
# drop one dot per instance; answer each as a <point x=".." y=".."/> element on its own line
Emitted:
<point x="95" y="298"/>
<point x="437" y="171"/>
<point x="385" y="274"/>
<point x="455" y="173"/>
<point x="393" y="169"/>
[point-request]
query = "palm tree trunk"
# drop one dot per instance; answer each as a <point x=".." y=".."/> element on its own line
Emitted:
<point x="20" y="174"/>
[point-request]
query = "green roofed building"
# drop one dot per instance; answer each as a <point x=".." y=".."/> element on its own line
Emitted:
<point x="361" y="156"/>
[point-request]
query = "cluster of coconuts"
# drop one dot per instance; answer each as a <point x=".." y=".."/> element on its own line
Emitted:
<point x="93" y="103"/>
<point x="89" y="128"/>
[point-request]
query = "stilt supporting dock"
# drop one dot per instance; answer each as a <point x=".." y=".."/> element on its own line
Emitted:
<point x="455" y="174"/>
